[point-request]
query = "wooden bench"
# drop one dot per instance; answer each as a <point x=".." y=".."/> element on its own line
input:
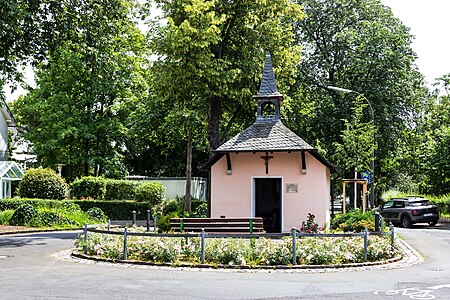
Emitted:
<point x="217" y="225"/>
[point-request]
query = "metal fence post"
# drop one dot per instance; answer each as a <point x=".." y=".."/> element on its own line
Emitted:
<point x="134" y="218"/>
<point x="125" y="234"/>
<point x="202" y="255"/>
<point x="148" y="220"/>
<point x="366" y="242"/>
<point x="294" y="245"/>
<point x="154" y="223"/>
<point x="377" y="222"/>
<point x="85" y="238"/>
<point x="391" y="228"/>
<point x="109" y="224"/>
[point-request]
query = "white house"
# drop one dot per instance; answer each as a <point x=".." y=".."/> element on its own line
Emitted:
<point x="9" y="170"/>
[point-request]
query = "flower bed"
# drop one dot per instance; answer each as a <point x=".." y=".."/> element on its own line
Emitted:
<point x="237" y="251"/>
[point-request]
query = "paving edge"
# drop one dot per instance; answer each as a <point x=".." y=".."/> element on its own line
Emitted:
<point x="16" y="232"/>
<point x="410" y="257"/>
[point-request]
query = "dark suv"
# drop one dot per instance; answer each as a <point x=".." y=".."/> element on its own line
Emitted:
<point x="410" y="210"/>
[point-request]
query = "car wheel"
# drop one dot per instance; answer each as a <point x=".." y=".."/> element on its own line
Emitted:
<point x="432" y="223"/>
<point x="406" y="222"/>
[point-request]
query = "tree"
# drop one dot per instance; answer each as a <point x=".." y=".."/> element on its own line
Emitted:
<point x="212" y="51"/>
<point x="354" y="154"/>
<point x="77" y="113"/>
<point x="357" y="45"/>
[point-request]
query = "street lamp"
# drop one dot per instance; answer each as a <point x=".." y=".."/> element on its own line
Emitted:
<point x="372" y="163"/>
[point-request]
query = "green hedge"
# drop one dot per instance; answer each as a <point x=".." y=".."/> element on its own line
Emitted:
<point x="14" y="203"/>
<point x="116" y="210"/>
<point x="120" y="189"/>
<point x="110" y="189"/>
<point x="88" y="187"/>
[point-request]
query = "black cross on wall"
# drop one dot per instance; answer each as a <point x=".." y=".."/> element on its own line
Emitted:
<point x="266" y="161"/>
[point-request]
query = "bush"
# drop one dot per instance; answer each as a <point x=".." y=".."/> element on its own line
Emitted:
<point x="23" y="215"/>
<point x="116" y="210"/>
<point x="120" y="189"/>
<point x="310" y="225"/>
<point x="51" y="218"/>
<point x="164" y="222"/>
<point x="89" y="187"/>
<point x="96" y="214"/>
<point x="65" y="205"/>
<point x="355" y="221"/>
<point x="42" y="183"/>
<point x="152" y="192"/>
<point x="5" y="216"/>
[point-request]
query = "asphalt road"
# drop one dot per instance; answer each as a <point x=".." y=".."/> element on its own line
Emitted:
<point x="29" y="270"/>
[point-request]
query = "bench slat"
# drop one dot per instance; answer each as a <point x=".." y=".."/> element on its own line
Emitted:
<point x="218" y="225"/>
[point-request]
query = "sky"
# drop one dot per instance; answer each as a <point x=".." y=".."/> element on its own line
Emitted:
<point x="429" y="23"/>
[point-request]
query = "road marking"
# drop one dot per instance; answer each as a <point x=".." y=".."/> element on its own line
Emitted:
<point x="414" y="293"/>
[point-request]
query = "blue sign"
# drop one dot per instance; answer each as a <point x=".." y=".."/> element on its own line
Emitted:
<point x="366" y="176"/>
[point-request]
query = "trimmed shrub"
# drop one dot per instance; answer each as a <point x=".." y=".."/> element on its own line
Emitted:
<point x="65" y="205"/>
<point x="88" y="187"/>
<point x="120" y="189"/>
<point x="42" y="183"/>
<point x="151" y="192"/>
<point x="96" y="214"/>
<point x="23" y="214"/>
<point x="116" y="210"/>
<point x="355" y="221"/>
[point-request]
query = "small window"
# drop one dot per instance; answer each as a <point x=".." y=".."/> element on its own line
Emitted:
<point x="399" y="204"/>
<point x="388" y="204"/>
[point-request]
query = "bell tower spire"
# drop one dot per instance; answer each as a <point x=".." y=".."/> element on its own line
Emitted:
<point x="268" y="96"/>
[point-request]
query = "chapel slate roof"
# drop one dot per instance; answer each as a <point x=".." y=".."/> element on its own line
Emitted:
<point x="265" y="136"/>
<point x="268" y="86"/>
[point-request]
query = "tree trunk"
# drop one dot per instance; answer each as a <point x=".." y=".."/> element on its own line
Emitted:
<point x="213" y="123"/>
<point x="187" y="195"/>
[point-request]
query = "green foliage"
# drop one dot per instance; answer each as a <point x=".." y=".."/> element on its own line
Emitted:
<point x="117" y="210"/>
<point x="14" y="203"/>
<point x="354" y="154"/>
<point x="163" y="223"/>
<point x="89" y="187"/>
<point x="5" y="216"/>
<point x="209" y="54"/>
<point x="355" y="221"/>
<point x="96" y="214"/>
<point x="151" y="192"/>
<point x="23" y="214"/>
<point x="120" y="189"/>
<point x="357" y="45"/>
<point x="86" y="87"/>
<point x="42" y="183"/>
<point x="51" y="218"/>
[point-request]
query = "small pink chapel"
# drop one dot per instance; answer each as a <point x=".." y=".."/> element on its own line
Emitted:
<point x="268" y="171"/>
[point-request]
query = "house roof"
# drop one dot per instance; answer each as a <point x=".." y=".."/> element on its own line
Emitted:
<point x="265" y="136"/>
<point x="4" y="109"/>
